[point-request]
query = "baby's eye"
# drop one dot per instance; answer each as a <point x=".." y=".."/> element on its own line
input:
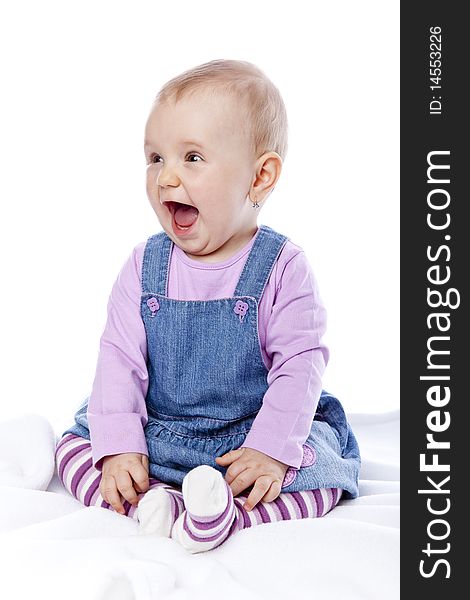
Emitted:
<point x="153" y="158"/>
<point x="192" y="155"/>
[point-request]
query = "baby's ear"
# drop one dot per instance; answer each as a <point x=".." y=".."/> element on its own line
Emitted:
<point x="269" y="171"/>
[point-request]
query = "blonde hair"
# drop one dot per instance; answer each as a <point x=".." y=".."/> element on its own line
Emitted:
<point x="261" y="100"/>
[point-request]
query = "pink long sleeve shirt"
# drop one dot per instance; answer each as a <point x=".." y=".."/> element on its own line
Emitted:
<point x="291" y="323"/>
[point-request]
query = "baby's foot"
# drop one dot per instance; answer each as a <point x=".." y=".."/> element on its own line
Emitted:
<point x="155" y="513"/>
<point x="204" y="491"/>
<point x="210" y="511"/>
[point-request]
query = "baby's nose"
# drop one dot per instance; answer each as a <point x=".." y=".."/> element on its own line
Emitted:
<point x="168" y="177"/>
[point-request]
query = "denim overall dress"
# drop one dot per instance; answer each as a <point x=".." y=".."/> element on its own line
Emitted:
<point x="207" y="378"/>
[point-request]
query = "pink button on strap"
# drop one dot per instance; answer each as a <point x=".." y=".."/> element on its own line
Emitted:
<point x="153" y="304"/>
<point x="241" y="308"/>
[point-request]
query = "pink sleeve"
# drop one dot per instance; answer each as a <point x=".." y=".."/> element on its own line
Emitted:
<point x="294" y="344"/>
<point x="117" y="412"/>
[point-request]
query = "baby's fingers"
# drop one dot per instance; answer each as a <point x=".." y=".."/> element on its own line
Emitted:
<point x="125" y="486"/>
<point x="108" y="490"/>
<point x="273" y="491"/>
<point x="140" y="475"/>
<point x="264" y="489"/>
<point x="227" y="459"/>
<point x="243" y="481"/>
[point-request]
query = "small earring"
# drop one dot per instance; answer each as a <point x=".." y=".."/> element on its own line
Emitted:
<point x="255" y="204"/>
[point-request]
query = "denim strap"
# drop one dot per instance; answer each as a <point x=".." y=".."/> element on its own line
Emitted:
<point x="156" y="263"/>
<point x="259" y="264"/>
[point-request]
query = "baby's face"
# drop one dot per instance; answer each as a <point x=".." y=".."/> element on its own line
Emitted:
<point x="199" y="155"/>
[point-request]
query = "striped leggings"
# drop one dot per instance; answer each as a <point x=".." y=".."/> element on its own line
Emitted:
<point x="196" y="533"/>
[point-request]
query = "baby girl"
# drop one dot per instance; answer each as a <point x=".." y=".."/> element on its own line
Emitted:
<point x="207" y="413"/>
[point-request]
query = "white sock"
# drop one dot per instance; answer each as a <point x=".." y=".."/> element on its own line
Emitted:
<point x="155" y="513"/>
<point x="210" y="510"/>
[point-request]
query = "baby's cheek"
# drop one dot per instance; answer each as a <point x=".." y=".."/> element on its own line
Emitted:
<point x="149" y="187"/>
<point x="211" y="201"/>
<point x="152" y="177"/>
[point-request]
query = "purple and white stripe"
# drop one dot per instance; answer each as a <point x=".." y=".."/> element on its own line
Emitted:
<point x="199" y="534"/>
<point x="82" y="480"/>
<point x="213" y="529"/>
<point x="75" y="470"/>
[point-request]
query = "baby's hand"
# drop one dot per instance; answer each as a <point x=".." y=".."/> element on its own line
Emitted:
<point x="248" y="466"/>
<point x="125" y="473"/>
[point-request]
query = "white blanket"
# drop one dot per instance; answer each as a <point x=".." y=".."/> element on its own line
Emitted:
<point x="52" y="547"/>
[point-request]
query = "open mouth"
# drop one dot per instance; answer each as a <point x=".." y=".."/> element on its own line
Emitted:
<point x="184" y="215"/>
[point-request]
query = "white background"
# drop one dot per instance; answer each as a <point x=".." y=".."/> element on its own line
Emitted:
<point x="78" y="79"/>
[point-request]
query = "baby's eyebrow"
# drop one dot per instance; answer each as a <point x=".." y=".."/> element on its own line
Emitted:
<point x="192" y="143"/>
<point x="148" y="143"/>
